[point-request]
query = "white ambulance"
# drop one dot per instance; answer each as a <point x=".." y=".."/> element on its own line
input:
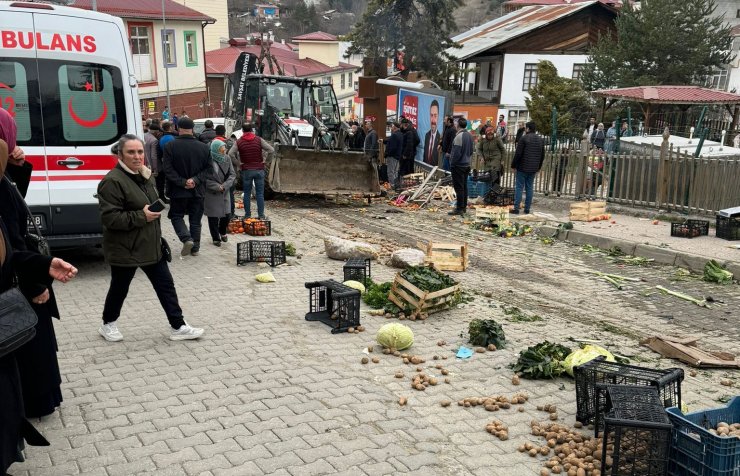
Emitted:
<point x="66" y="77"/>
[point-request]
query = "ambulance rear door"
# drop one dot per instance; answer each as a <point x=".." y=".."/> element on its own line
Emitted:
<point x="19" y="94"/>
<point x="83" y="80"/>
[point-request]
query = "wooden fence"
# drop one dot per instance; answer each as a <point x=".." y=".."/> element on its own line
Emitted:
<point x="659" y="178"/>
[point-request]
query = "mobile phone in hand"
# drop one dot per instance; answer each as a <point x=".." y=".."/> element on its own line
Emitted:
<point x="157" y="206"/>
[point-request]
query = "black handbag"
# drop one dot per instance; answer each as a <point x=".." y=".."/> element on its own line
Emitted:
<point x="17" y="321"/>
<point x="34" y="241"/>
<point x="166" y="251"/>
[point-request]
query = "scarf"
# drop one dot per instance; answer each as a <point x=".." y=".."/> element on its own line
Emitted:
<point x="8" y="130"/>
<point x="3" y="163"/>
<point x="215" y="154"/>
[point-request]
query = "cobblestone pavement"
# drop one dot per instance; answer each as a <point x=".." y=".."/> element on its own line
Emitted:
<point x="266" y="392"/>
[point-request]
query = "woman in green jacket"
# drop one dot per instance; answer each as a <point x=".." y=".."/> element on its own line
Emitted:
<point x="132" y="238"/>
<point x="491" y="149"/>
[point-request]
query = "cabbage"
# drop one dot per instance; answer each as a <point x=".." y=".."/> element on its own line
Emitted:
<point x="587" y="354"/>
<point x="395" y="336"/>
<point x="265" y="278"/>
<point x="355" y="285"/>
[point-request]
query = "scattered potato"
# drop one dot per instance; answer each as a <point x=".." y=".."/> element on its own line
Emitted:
<point x="515" y="380"/>
<point x="365" y="360"/>
<point x="402" y="401"/>
<point x="445" y="403"/>
<point x="376" y="360"/>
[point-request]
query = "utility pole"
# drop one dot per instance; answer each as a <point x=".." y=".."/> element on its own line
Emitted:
<point x="166" y="68"/>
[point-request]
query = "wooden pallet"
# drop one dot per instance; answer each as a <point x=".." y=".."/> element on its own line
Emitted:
<point x="496" y="215"/>
<point x="407" y="296"/>
<point x="446" y="256"/>
<point x="587" y="211"/>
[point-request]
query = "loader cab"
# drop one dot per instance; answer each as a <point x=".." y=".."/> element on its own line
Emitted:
<point x="326" y="105"/>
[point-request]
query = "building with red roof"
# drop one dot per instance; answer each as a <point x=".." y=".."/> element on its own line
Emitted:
<point x="314" y="56"/>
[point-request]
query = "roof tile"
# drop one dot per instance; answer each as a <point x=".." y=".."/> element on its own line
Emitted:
<point x="149" y="9"/>
<point x="671" y="95"/>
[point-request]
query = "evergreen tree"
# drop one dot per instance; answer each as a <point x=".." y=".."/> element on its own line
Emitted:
<point x="662" y="42"/>
<point x="566" y="94"/>
<point x="423" y="29"/>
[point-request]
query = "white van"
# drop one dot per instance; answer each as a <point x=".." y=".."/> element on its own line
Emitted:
<point x="66" y="77"/>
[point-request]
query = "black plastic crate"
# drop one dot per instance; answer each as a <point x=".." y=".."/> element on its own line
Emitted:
<point x="334" y="304"/>
<point x="698" y="452"/>
<point x="690" y="229"/>
<point x="593" y="376"/>
<point x="638" y="429"/>
<point x="270" y="252"/>
<point x="500" y="197"/>
<point x="728" y="228"/>
<point x="257" y="227"/>
<point x="357" y="269"/>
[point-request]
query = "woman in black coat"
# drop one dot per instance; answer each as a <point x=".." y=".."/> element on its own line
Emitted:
<point x="30" y="267"/>
<point x="37" y="360"/>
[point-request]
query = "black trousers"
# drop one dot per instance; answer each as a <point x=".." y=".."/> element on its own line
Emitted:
<point x="217" y="227"/>
<point x="161" y="182"/>
<point x="193" y="208"/>
<point x="160" y="277"/>
<point x="460" y="184"/>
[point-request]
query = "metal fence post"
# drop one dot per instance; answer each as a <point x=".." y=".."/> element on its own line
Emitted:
<point x="663" y="169"/>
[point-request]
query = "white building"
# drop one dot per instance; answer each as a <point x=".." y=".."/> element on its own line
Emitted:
<point x="503" y="54"/>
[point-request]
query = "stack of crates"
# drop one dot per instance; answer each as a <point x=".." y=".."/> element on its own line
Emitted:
<point x="639" y="431"/>
<point x="593" y="377"/>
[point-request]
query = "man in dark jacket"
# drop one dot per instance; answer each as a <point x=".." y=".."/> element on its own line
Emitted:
<point x="448" y="135"/>
<point x="208" y="134"/>
<point x="370" y="147"/>
<point x="528" y="158"/>
<point x="186" y="164"/>
<point x="393" y="152"/>
<point x="410" y="142"/>
<point x="462" y="150"/>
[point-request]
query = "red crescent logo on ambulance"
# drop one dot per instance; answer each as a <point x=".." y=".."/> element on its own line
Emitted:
<point x="93" y="123"/>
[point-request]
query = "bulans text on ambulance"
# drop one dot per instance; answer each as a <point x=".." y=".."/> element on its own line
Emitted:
<point x="29" y="40"/>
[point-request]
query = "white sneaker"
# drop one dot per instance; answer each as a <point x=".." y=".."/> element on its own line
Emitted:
<point x="110" y="332"/>
<point x="185" y="332"/>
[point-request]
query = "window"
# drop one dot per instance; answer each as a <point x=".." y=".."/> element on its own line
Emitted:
<point x="168" y="48"/>
<point x="343" y="84"/>
<point x="191" y="48"/>
<point x="83" y="102"/>
<point x="737" y="15"/>
<point x="91" y="103"/>
<point x="491" y="73"/>
<point x="141" y="52"/>
<point x="14" y="97"/>
<point x="578" y="70"/>
<point x="349" y="81"/>
<point x="530" y="76"/>
<point x="718" y="80"/>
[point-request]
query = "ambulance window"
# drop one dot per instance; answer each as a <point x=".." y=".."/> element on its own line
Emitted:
<point x="92" y="104"/>
<point x="14" y="97"/>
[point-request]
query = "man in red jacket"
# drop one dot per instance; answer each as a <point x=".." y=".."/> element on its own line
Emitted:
<point x="248" y="150"/>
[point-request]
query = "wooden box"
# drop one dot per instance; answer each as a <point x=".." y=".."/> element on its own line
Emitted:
<point x="496" y="215"/>
<point x="587" y="211"/>
<point x="408" y="297"/>
<point x="447" y="256"/>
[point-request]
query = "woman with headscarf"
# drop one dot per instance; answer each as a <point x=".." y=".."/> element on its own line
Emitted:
<point x="27" y="267"/>
<point x="217" y="206"/>
<point x="37" y="360"/>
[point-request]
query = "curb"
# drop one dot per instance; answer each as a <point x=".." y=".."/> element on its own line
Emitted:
<point x="692" y="262"/>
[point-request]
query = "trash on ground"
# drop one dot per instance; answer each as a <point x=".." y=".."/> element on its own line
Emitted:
<point x="686" y="351"/>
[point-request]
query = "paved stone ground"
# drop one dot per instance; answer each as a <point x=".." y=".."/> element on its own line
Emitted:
<point x="266" y="392"/>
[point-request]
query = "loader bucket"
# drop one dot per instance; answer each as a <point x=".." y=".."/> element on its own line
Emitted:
<point x="295" y="170"/>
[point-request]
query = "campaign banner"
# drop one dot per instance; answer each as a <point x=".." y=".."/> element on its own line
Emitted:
<point x="426" y="113"/>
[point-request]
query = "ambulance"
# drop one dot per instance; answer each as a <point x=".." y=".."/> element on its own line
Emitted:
<point x="67" y="79"/>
